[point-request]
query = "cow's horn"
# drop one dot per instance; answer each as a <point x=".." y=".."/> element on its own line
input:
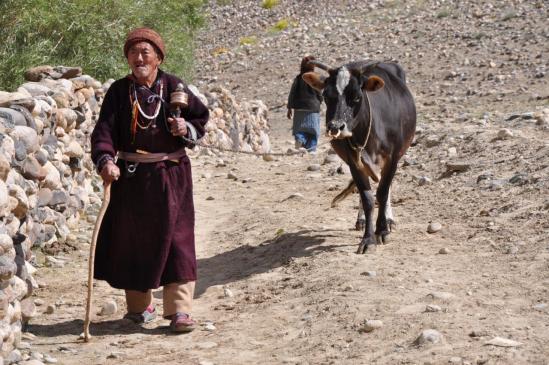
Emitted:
<point x="320" y="65"/>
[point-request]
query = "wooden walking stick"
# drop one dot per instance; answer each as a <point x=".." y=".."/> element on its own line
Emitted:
<point x="100" y="215"/>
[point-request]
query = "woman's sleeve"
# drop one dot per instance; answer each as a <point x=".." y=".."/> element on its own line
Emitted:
<point x="104" y="135"/>
<point x="291" y="95"/>
<point x="196" y="115"/>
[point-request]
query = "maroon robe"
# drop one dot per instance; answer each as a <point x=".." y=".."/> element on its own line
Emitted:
<point x="147" y="236"/>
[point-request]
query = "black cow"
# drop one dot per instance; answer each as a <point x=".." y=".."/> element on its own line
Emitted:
<point x="371" y="118"/>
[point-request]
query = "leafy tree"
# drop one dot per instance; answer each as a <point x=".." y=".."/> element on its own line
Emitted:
<point x="91" y="34"/>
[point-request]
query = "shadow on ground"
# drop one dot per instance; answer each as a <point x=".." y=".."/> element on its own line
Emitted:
<point x="245" y="261"/>
<point x="103" y="328"/>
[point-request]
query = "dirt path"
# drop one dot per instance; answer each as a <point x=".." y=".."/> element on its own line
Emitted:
<point x="297" y="292"/>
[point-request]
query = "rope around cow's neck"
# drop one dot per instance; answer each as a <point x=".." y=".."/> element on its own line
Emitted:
<point x="360" y="149"/>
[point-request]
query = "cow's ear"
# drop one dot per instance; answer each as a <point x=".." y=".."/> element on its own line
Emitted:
<point x="373" y="83"/>
<point x="314" y="80"/>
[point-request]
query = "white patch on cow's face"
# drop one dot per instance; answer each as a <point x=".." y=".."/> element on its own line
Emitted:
<point x="343" y="78"/>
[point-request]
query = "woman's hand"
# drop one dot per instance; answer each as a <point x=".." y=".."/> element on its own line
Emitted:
<point x="110" y="172"/>
<point x="178" y="126"/>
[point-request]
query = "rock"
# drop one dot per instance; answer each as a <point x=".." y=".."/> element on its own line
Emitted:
<point x="331" y="158"/>
<point x="206" y="345"/>
<point x="232" y="176"/>
<point x="12" y="118"/>
<point x="455" y="360"/>
<point x="423" y="180"/>
<point x="503" y="342"/>
<point x="28" y="309"/>
<point x="444" y="251"/>
<point x="370" y="325"/>
<point x="50" y="360"/>
<point x="53" y="262"/>
<point x="429" y="336"/>
<point x="504" y="134"/>
<point x="228" y="293"/>
<point x="541" y="307"/>
<point x="512" y="250"/>
<point x="27" y="136"/>
<point x="268" y="158"/>
<point x="8" y="268"/>
<point x="295" y="196"/>
<point x="434" y="227"/>
<point x="371" y="274"/>
<point x="74" y="150"/>
<point x="209" y="326"/>
<point x="108" y="308"/>
<point x="457" y="166"/>
<point x="313" y="167"/>
<point x="32" y="170"/>
<point x="432" y="141"/>
<point x="441" y="295"/>
<point x="31" y="362"/>
<point x="430" y="308"/>
<point x="50" y="309"/>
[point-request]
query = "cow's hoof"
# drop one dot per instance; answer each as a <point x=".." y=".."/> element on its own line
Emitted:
<point x="382" y="239"/>
<point x="360" y="224"/>
<point x="364" y="248"/>
<point x="391" y="224"/>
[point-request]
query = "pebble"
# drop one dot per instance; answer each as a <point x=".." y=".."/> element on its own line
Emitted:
<point x="444" y="251"/>
<point x="504" y="134"/>
<point x="268" y="158"/>
<point x="371" y="274"/>
<point x="295" y="196"/>
<point x="206" y="345"/>
<point x="210" y="198"/>
<point x="455" y="360"/>
<point x="50" y="309"/>
<point x="541" y="307"/>
<point x="209" y="326"/>
<point x="512" y="250"/>
<point x="228" y="293"/>
<point x="371" y="325"/>
<point x="441" y="295"/>
<point x="108" y="308"/>
<point x="429" y="336"/>
<point x="434" y="227"/>
<point x="232" y="176"/>
<point x="39" y="302"/>
<point x="55" y="263"/>
<point x="431" y="308"/>
<point x="424" y="180"/>
<point x="331" y="158"/>
<point x="314" y="167"/>
<point x="503" y="342"/>
<point x="49" y="359"/>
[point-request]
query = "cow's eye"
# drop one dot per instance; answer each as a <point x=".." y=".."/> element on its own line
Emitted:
<point x="356" y="100"/>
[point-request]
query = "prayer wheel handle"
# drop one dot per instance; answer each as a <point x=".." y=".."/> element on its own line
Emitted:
<point x="178" y="100"/>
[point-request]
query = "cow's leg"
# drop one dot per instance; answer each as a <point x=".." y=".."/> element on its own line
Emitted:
<point x="389" y="212"/>
<point x="368" y="243"/>
<point x="360" y="219"/>
<point x="382" y="195"/>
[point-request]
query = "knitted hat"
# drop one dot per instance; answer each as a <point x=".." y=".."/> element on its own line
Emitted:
<point x="145" y="35"/>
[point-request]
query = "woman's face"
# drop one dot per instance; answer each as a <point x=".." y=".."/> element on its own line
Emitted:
<point x="144" y="61"/>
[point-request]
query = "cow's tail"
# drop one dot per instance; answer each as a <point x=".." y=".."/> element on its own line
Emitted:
<point x="351" y="188"/>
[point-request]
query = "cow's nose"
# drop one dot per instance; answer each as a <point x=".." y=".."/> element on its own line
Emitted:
<point x="343" y="126"/>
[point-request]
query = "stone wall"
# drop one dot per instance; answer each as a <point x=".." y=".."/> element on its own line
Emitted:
<point x="47" y="179"/>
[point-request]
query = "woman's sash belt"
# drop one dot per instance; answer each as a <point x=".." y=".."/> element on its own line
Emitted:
<point x="148" y="157"/>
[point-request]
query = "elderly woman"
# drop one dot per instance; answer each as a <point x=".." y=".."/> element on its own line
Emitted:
<point x="304" y="105"/>
<point x="146" y="239"/>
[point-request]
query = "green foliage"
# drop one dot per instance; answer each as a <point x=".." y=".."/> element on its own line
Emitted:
<point x="269" y="4"/>
<point x="280" y="25"/>
<point x="91" y="34"/>
<point x="248" y="41"/>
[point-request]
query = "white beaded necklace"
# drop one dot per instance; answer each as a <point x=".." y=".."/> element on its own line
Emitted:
<point x="151" y="118"/>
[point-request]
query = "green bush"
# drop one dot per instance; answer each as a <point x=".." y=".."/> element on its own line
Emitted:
<point x="269" y="4"/>
<point x="280" y="25"/>
<point x="91" y="33"/>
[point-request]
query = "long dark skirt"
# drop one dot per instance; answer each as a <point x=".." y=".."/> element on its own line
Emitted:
<point x="147" y="235"/>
